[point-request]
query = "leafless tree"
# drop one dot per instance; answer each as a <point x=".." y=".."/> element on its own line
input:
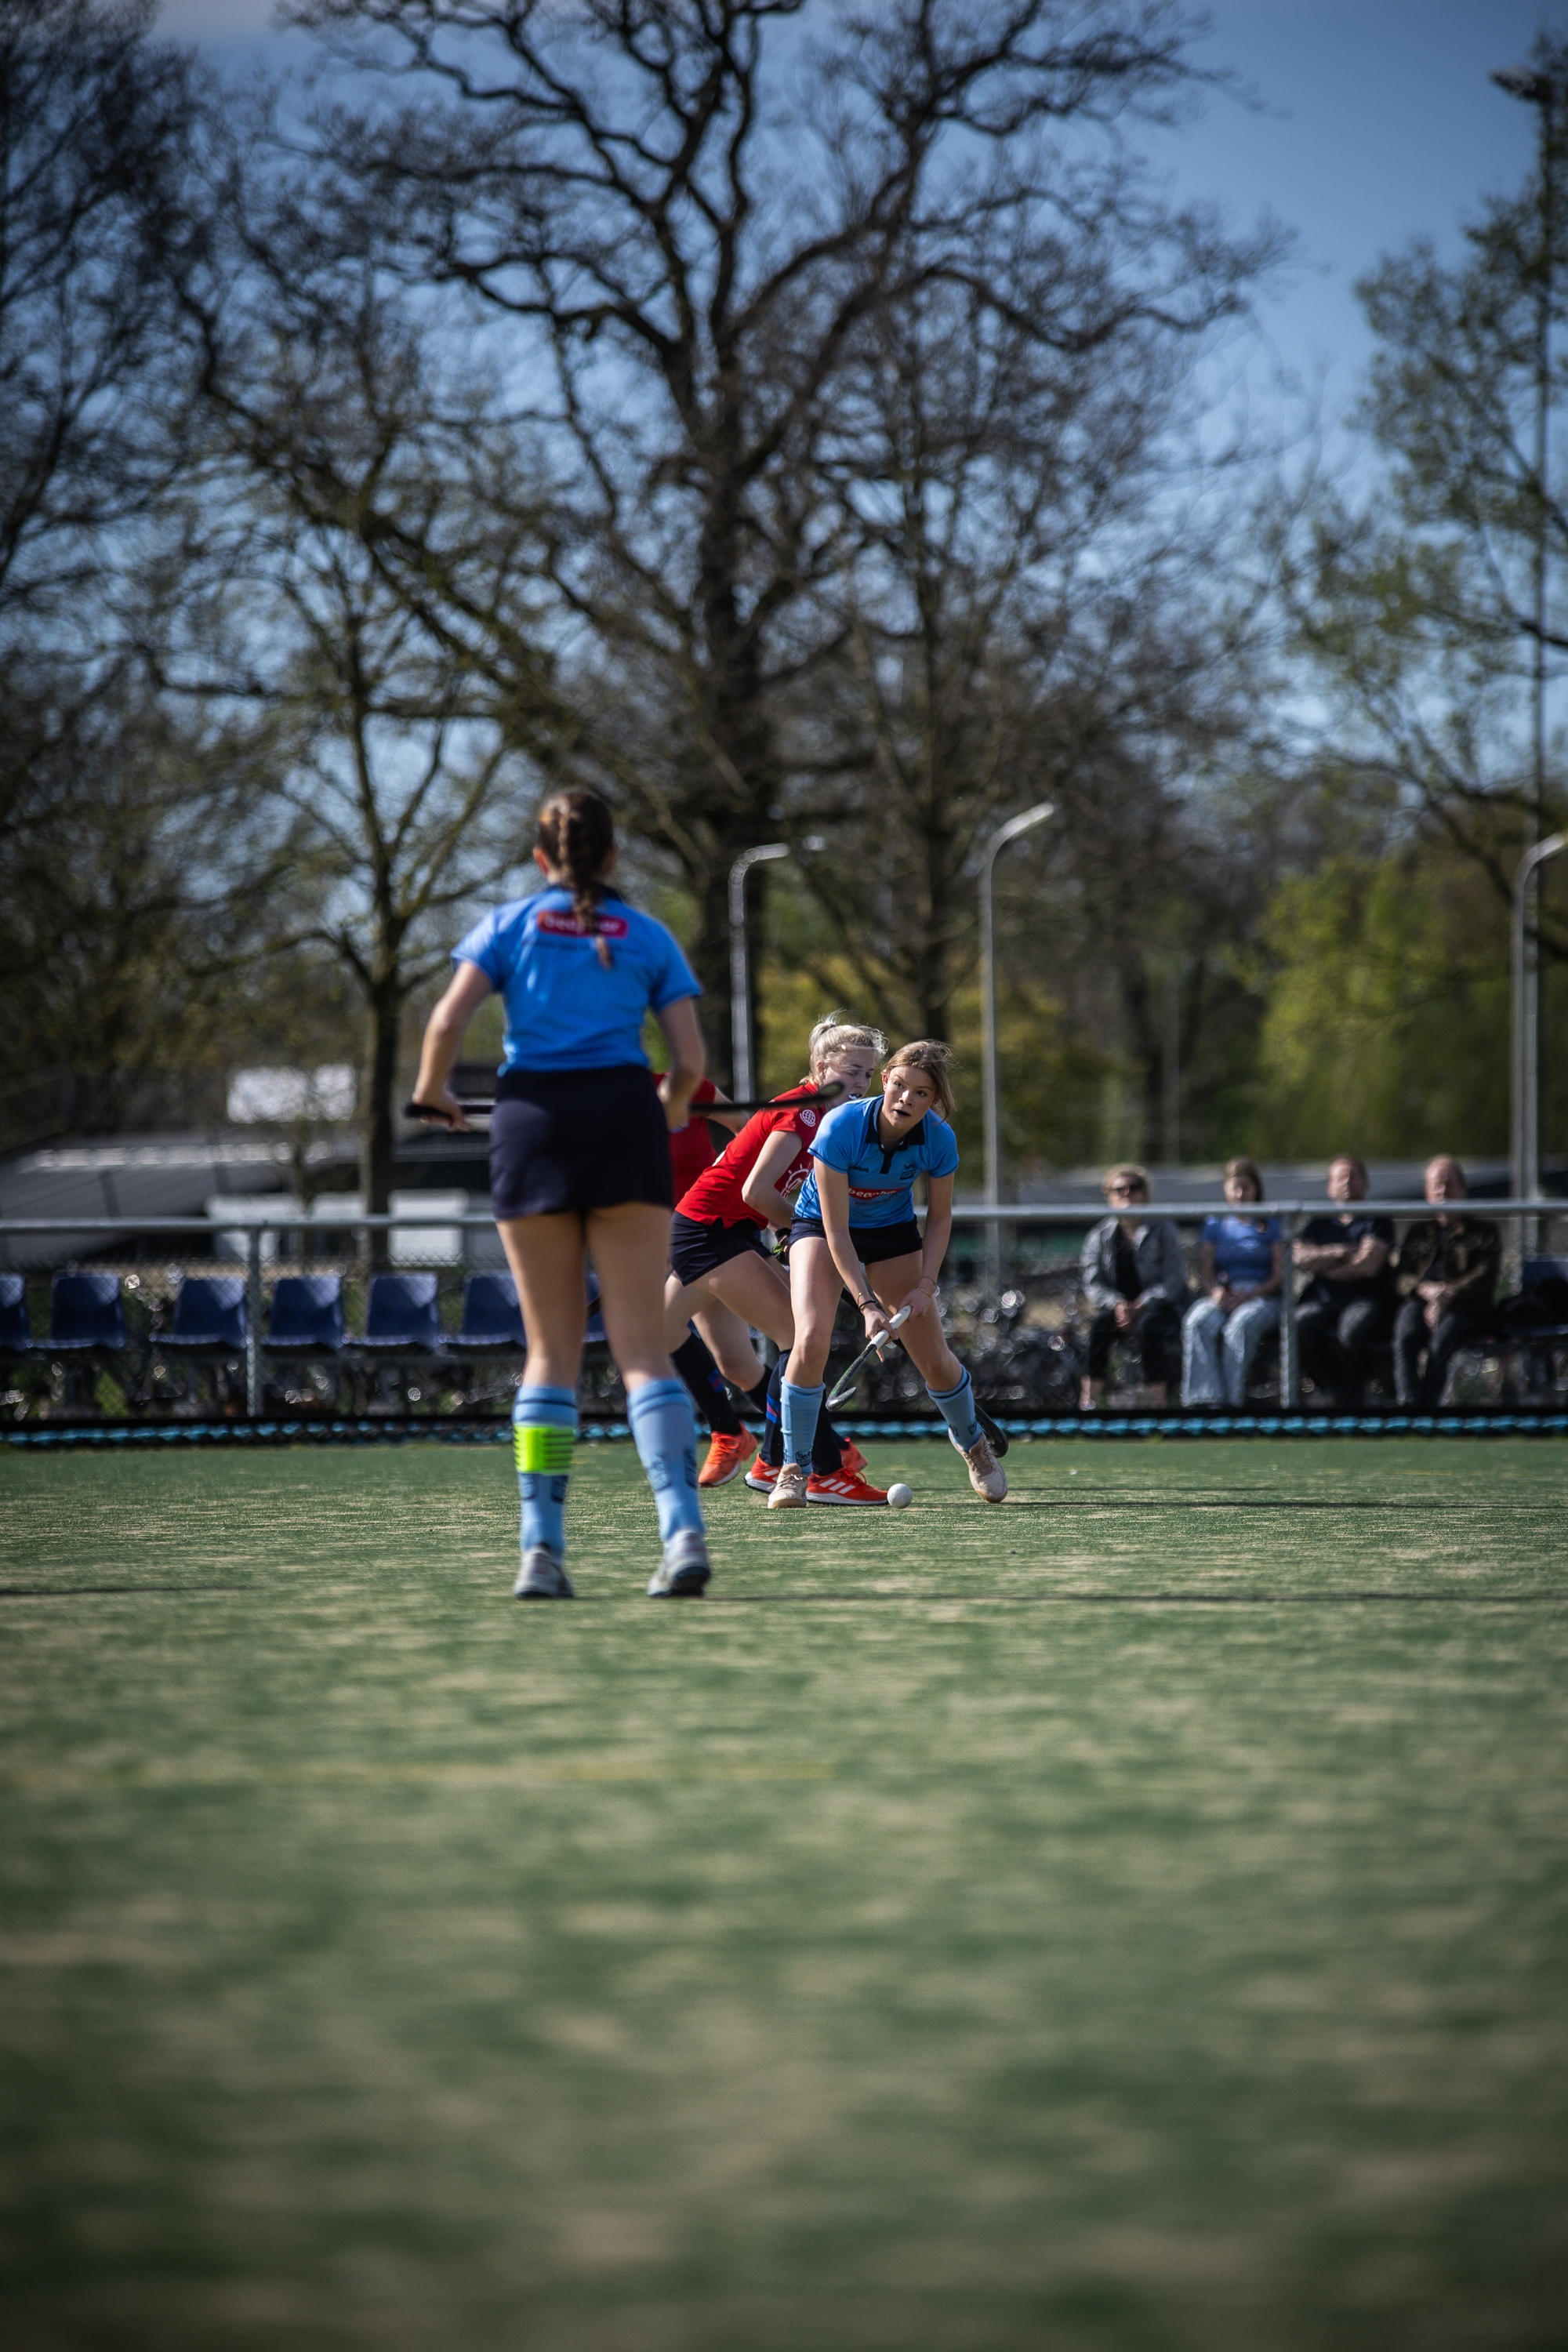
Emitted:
<point x="689" y="216"/>
<point x="340" y="453"/>
<point x="1050" y="599"/>
<point x="114" y="901"/>
<point x="1419" y="604"/>
<point x="99" y="129"/>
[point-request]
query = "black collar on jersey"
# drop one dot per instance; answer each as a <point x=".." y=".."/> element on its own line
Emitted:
<point x="910" y="1142"/>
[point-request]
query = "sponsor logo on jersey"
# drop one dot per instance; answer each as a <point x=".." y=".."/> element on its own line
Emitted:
<point x="808" y="1119"/>
<point x="872" y="1192"/>
<point x="568" y="926"/>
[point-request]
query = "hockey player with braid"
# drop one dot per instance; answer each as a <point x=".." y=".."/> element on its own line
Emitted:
<point x="580" y="1161"/>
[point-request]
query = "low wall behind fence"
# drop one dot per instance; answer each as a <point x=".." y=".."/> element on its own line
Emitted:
<point x="1010" y="1298"/>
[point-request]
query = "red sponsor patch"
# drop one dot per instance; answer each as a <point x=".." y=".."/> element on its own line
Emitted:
<point x="568" y="927"/>
<point x="873" y="1192"/>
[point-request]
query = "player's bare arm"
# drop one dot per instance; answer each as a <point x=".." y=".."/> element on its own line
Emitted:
<point x="688" y="1058"/>
<point x="832" y="1191"/>
<point x="761" y="1189"/>
<point x="443" y="1033"/>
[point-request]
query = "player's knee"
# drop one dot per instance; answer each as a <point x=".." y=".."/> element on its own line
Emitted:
<point x="810" y="1344"/>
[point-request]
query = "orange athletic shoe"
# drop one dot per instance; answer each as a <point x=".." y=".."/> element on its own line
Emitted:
<point x="760" y="1477"/>
<point x="853" y="1464"/>
<point x="727" y="1458"/>
<point x="841" y="1487"/>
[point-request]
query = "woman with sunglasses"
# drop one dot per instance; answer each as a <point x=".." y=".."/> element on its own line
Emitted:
<point x="1135" y="1280"/>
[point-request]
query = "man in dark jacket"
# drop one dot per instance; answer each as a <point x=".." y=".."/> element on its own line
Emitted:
<point x="1446" y="1272"/>
<point x="1349" y="1304"/>
<point x="1135" y="1278"/>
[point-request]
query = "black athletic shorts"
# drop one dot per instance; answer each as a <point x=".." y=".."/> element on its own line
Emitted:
<point x="577" y="1140"/>
<point x="871" y="1243"/>
<point x="698" y="1244"/>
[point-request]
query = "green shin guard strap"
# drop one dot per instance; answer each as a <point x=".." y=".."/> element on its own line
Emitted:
<point x="543" y="1452"/>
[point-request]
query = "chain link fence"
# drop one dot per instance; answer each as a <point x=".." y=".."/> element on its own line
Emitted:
<point x="1027" y="1347"/>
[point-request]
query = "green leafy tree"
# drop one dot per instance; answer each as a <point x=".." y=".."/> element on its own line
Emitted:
<point x="1387" y="991"/>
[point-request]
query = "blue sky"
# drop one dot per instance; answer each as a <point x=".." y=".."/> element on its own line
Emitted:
<point x="1382" y="124"/>
<point x="1379" y="123"/>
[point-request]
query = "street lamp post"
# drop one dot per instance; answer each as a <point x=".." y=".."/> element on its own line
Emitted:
<point x="1525" y="1175"/>
<point x="739" y="961"/>
<point x="999" y="840"/>
<point x="1540" y="90"/>
<point x="740" y="969"/>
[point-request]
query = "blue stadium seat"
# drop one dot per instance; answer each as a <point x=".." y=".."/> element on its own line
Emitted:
<point x="209" y="1315"/>
<point x="85" y="1315"/>
<point x="1529" y="1328"/>
<point x="401" y="1313"/>
<point x="493" y="1321"/>
<point x="1539" y="1272"/>
<point x="307" y="1317"/>
<point x="15" y="1336"/>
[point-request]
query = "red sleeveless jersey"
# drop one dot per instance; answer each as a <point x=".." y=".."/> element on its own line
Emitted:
<point x="715" y="1197"/>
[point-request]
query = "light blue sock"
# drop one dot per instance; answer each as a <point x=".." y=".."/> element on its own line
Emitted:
<point x="956" y="1407"/>
<point x="544" y="1426"/>
<point x="666" y="1434"/>
<point x="801" y="1407"/>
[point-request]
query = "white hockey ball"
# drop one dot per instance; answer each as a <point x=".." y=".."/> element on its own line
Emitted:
<point x="901" y="1497"/>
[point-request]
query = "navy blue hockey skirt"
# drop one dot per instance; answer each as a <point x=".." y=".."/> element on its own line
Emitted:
<point x="577" y="1140"/>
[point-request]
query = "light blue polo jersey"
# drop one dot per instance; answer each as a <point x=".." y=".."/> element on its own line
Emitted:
<point x="879" y="1180"/>
<point x="1244" y="1247"/>
<point x="563" y="1010"/>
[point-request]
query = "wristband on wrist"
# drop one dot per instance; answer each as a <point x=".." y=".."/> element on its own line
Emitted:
<point x="865" y="1305"/>
<point x="928" y="1284"/>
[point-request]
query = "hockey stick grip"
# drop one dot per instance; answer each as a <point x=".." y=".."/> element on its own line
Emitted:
<point x="845" y="1381"/>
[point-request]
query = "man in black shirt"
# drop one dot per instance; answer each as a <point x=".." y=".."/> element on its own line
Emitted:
<point x="1348" y="1306"/>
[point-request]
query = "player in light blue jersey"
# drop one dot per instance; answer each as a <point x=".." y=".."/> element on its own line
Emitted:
<point x="855" y="1228"/>
<point x="580" y="1161"/>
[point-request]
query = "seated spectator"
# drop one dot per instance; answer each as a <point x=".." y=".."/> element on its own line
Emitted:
<point x="1241" y="1263"/>
<point x="1348" y="1306"/>
<point x="1447" y="1272"/>
<point x="1135" y="1280"/>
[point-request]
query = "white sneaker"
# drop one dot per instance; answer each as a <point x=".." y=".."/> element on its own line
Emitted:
<point x="542" y="1578"/>
<point x="986" y="1474"/>
<point x="789" y="1489"/>
<point x="683" y="1573"/>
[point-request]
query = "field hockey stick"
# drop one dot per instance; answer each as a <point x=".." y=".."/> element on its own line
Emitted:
<point x="819" y="1099"/>
<point x="840" y="1391"/>
<point x="437" y="1114"/>
<point x="480" y="1106"/>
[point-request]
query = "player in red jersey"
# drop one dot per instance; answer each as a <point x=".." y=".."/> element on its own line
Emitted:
<point x="716" y="1249"/>
<point x="714" y="1352"/>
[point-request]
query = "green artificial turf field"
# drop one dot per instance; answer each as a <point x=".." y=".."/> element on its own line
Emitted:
<point x="1134" y="1917"/>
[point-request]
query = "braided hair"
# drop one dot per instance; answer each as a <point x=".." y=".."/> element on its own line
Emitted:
<point x="577" y="834"/>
